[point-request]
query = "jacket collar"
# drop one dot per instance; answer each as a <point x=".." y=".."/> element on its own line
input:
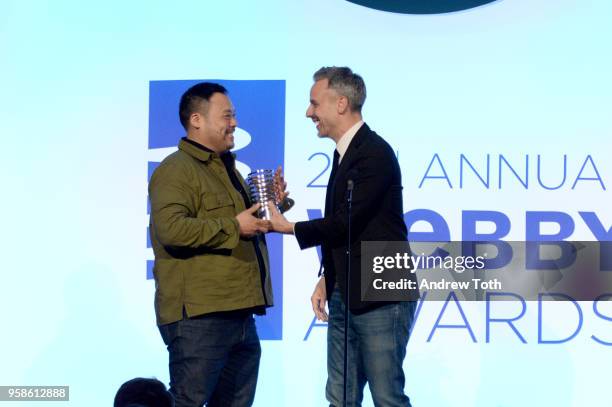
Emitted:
<point x="200" y="151"/>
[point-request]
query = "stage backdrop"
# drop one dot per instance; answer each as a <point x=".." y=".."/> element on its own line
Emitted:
<point x="499" y="112"/>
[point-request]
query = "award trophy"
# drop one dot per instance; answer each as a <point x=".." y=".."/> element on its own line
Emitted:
<point x="261" y="189"/>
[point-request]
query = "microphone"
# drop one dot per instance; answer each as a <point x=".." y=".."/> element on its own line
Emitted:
<point x="349" y="190"/>
<point x="351" y="175"/>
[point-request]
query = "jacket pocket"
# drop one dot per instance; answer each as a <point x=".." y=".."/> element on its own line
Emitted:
<point x="214" y="200"/>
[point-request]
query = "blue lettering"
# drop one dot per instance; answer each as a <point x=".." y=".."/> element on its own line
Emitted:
<point x="534" y="218"/>
<point x="463" y="159"/>
<point x="595" y="225"/>
<point x="440" y="231"/>
<point x="564" y="174"/>
<point x="597" y="178"/>
<point x="600" y="315"/>
<point x="541" y="317"/>
<point x="506" y="320"/>
<point x="534" y="240"/>
<point x="524" y="182"/>
<point x="438" y="325"/>
<point x="314" y="324"/>
<point x="427" y="176"/>
<point x="471" y="239"/>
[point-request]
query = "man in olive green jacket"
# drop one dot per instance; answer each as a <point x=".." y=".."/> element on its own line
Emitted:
<point x="211" y="262"/>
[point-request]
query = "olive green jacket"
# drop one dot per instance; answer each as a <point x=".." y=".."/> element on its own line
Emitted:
<point x="201" y="263"/>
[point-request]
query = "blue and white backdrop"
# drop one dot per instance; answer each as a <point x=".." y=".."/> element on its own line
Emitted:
<point x="499" y="112"/>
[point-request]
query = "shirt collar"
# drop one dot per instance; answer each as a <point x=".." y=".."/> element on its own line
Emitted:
<point x="343" y="144"/>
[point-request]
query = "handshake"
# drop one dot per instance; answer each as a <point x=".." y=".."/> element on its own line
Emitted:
<point x="250" y="224"/>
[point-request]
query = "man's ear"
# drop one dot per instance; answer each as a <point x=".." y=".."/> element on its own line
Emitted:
<point x="196" y="120"/>
<point x="343" y="104"/>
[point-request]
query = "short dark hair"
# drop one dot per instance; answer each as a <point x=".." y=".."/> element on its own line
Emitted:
<point x="195" y="98"/>
<point x="346" y="82"/>
<point x="143" y="392"/>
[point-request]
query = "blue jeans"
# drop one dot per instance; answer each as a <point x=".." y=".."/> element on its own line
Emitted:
<point x="214" y="360"/>
<point x="377" y="348"/>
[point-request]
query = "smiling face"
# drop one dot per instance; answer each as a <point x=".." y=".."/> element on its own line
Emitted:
<point x="324" y="109"/>
<point x="216" y="123"/>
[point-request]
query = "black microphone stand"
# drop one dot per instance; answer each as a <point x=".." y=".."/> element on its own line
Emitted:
<point x="349" y="201"/>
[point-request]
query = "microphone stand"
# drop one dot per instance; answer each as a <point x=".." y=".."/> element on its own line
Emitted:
<point x="349" y="200"/>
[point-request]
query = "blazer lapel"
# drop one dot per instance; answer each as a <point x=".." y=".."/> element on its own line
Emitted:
<point x="330" y="185"/>
<point x="346" y="163"/>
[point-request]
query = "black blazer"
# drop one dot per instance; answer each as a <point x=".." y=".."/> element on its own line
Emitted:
<point x="377" y="213"/>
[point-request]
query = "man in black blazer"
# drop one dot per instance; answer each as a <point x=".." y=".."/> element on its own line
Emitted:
<point x="378" y="331"/>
